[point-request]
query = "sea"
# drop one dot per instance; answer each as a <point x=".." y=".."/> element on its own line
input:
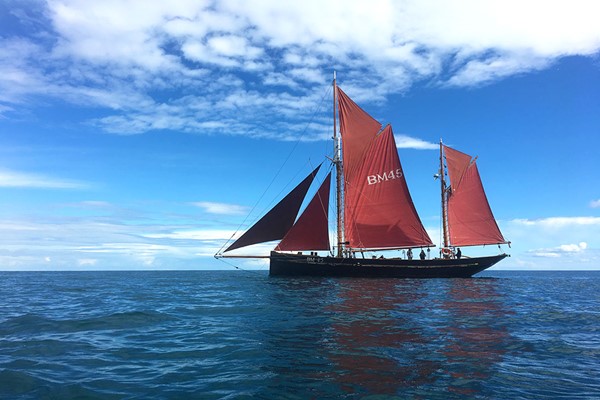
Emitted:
<point x="244" y="335"/>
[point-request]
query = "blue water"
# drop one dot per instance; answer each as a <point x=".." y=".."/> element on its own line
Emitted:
<point x="237" y="335"/>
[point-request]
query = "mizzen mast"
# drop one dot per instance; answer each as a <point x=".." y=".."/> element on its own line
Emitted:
<point x="444" y="193"/>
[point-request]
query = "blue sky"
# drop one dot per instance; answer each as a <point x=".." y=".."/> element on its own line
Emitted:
<point x="138" y="135"/>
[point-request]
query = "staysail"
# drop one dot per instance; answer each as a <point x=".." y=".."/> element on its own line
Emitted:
<point x="470" y="218"/>
<point x="310" y="230"/>
<point x="277" y="222"/>
<point x="378" y="209"/>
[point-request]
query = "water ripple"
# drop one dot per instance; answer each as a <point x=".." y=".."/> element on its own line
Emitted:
<point x="231" y="335"/>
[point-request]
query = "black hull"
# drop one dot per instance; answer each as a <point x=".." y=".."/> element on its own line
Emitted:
<point x="283" y="264"/>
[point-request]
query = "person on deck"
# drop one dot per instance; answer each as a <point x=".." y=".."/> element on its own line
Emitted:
<point x="409" y="254"/>
<point x="422" y="254"/>
<point x="458" y="253"/>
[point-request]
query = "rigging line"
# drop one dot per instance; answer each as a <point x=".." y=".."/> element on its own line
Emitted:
<point x="255" y="272"/>
<point x="303" y="132"/>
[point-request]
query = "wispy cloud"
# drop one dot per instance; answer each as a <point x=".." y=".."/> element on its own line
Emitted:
<point x="595" y="203"/>
<point x="206" y="234"/>
<point x="559" y="251"/>
<point x="260" y="62"/>
<point x="558" y="222"/>
<point x="16" y="179"/>
<point x="407" y="142"/>
<point x="554" y="242"/>
<point x="92" y="243"/>
<point x="221" y="208"/>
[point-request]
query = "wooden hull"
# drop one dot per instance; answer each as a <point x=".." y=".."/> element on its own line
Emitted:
<point x="283" y="264"/>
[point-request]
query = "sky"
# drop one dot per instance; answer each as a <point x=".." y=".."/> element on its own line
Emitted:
<point x="143" y="135"/>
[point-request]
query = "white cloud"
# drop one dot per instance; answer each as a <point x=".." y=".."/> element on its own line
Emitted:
<point x="221" y="208"/>
<point x="559" y="222"/>
<point x="554" y="242"/>
<point x="84" y="262"/>
<point x="233" y="46"/>
<point x="217" y="54"/>
<point x="64" y="243"/>
<point x="209" y="235"/>
<point x="15" y="179"/>
<point x="559" y="251"/>
<point x="407" y="142"/>
<point x="570" y="248"/>
<point x="595" y="203"/>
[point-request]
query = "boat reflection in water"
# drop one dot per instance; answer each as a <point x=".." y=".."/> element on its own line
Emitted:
<point x="385" y="337"/>
<point x="477" y="336"/>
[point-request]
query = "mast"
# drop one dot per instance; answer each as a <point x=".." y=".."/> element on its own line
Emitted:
<point x="337" y="160"/>
<point x="444" y="198"/>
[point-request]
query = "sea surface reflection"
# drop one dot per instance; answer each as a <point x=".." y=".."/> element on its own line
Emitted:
<point x="229" y="335"/>
<point x="387" y="337"/>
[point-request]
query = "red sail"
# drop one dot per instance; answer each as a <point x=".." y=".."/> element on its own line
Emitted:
<point x="277" y="222"/>
<point x="379" y="211"/>
<point x="470" y="218"/>
<point x="310" y="231"/>
<point x="358" y="130"/>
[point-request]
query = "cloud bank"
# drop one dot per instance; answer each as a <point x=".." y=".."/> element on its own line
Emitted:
<point x="569" y="243"/>
<point x="235" y="67"/>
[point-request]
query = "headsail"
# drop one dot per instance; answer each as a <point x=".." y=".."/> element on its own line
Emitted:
<point x="277" y="222"/>
<point x="378" y="209"/>
<point x="470" y="218"/>
<point x="310" y="231"/>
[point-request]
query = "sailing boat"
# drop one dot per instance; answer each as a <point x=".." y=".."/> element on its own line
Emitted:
<point x="375" y="212"/>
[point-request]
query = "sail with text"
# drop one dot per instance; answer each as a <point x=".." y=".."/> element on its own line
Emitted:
<point x="378" y="210"/>
<point x="309" y="232"/>
<point x="470" y="218"/>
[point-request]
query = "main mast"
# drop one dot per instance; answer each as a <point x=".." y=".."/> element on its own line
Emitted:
<point x="337" y="160"/>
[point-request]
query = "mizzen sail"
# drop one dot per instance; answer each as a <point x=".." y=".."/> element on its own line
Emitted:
<point x="470" y="218"/>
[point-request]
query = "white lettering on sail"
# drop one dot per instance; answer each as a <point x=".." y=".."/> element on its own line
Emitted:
<point x="384" y="177"/>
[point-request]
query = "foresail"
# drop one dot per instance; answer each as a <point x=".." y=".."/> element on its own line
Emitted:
<point x="379" y="211"/>
<point x="277" y="222"/>
<point x="470" y="218"/>
<point x="310" y="232"/>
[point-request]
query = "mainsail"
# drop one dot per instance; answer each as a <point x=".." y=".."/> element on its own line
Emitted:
<point x="378" y="209"/>
<point x="276" y="223"/>
<point x="470" y="218"/>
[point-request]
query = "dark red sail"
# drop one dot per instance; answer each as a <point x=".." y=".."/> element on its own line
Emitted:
<point x="277" y="222"/>
<point x="470" y="218"/>
<point x="379" y="211"/>
<point x="310" y="232"/>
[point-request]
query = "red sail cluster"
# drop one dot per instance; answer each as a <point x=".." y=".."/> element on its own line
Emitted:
<point x="378" y="210"/>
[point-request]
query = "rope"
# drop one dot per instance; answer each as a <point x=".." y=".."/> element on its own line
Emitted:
<point x="254" y="272"/>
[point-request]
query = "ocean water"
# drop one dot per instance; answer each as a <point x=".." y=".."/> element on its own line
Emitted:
<point x="244" y="335"/>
